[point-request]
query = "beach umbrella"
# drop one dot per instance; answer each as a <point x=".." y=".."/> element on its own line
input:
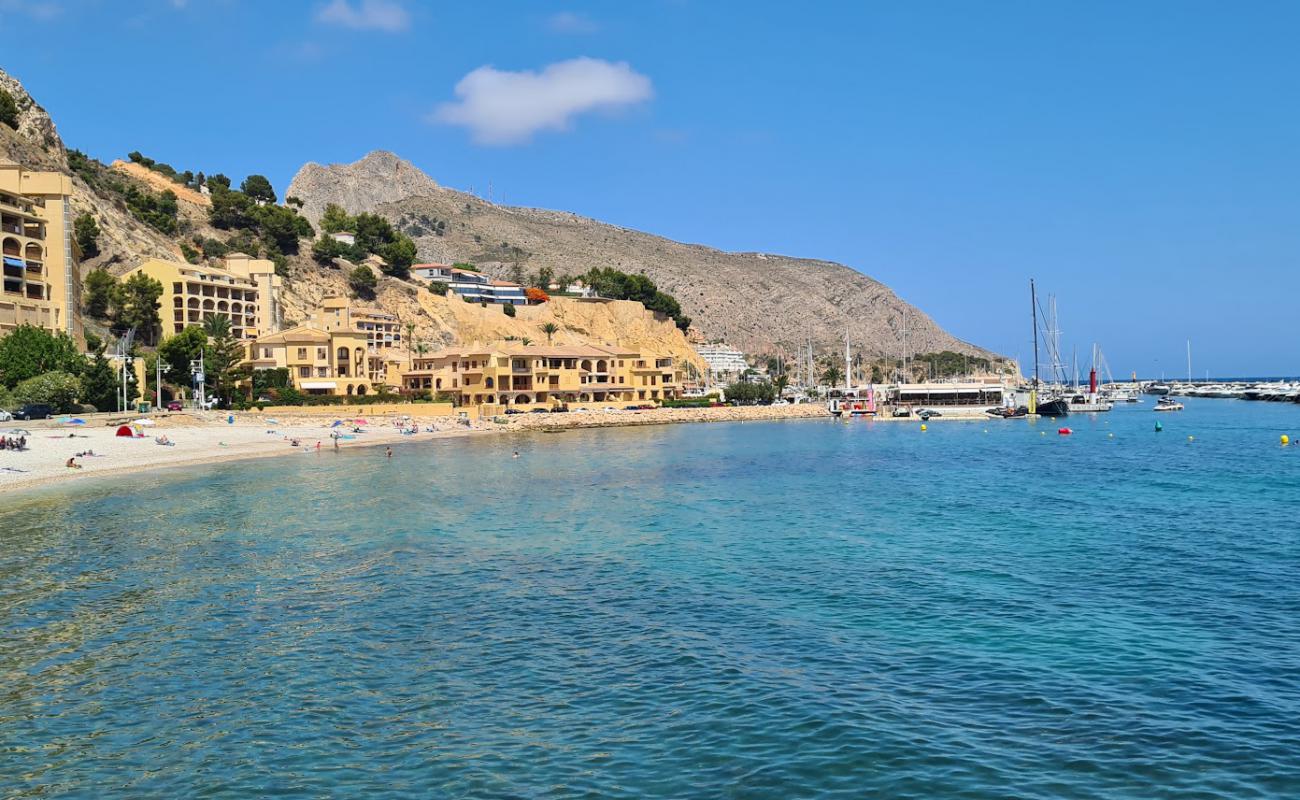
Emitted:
<point x="74" y="422"/>
<point x="124" y="430"/>
<point x="336" y="423"/>
<point x="144" y="422"/>
<point x="361" y="422"/>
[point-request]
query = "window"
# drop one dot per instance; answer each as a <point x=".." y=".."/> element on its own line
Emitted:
<point x="266" y="352"/>
<point x="321" y="354"/>
<point x="302" y="353"/>
<point x="304" y="372"/>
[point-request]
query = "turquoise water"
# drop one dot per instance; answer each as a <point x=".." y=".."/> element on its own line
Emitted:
<point x="794" y="609"/>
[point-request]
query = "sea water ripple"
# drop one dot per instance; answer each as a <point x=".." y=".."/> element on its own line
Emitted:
<point x="775" y="610"/>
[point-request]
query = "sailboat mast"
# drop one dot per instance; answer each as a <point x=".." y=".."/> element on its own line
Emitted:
<point x="1189" y="360"/>
<point x="1033" y="303"/>
<point x="848" y="364"/>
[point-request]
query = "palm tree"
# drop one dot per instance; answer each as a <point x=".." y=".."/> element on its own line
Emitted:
<point x="525" y="341"/>
<point x="550" y="330"/>
<point x="780" y="383"/>
<point x="832" y="376"/>
<point x="216" y="326"/>
<point x="410" y="335"/>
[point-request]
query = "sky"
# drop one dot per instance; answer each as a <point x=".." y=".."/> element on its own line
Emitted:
<point x="1138" y="159"/>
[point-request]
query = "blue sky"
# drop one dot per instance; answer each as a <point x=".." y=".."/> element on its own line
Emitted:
<point x="1139" y="159"/>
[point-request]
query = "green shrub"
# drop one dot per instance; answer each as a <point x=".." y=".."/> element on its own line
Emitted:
<point x="8" y="110"/>
<point x="509" y="309"/>
<point x="87" y="234"/>
<point x="58" y="389"/>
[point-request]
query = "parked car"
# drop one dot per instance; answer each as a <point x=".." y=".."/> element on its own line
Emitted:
<point x="5" y="416"/>
<point x="174" y="405"/>
<point x="539" y="411"/>
<point x="34" y="411"/>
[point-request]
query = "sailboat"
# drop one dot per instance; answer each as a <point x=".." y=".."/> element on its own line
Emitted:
<point x="855" y="401"/>
<point x="1052" y="405"/>
<point x="1091" y="401"/>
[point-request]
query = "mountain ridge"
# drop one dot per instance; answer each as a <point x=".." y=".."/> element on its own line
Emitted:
<point x="760" y="302"/>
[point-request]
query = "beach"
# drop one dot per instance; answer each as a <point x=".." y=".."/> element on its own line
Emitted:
<point x="211" y="437"/>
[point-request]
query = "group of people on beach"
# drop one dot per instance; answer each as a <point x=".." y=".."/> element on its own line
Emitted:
<point x="13" y="442"/>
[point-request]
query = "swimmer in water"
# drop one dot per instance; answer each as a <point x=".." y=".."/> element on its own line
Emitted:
<point x="516" y="455"/>
<point x="388" y="451"/>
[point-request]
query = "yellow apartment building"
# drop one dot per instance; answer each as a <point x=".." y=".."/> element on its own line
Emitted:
<point x="547" y="376"/>
<point x="193" y="291"/>
<point x="261" y="271"/>
<point x="383" y="330"/>
<point x="319" y="362"/>
<point x="41" y="286"/>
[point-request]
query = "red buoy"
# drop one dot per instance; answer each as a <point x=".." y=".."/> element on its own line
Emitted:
<point x="1064" y="431"/>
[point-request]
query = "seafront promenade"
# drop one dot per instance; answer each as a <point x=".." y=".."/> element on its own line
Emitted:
<point x="208" y="438"/>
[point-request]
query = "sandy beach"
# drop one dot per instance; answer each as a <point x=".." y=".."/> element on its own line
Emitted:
<point x="209" y="438"/>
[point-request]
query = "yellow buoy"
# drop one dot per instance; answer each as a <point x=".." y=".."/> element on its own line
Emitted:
<point x="1286" y="440"/>
<point x="922" y="426"/>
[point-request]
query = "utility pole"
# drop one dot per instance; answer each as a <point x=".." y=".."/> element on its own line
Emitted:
<point x="199" y="378"/>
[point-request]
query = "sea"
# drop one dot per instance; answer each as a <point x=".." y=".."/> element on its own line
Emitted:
<point x="840" y="609"/>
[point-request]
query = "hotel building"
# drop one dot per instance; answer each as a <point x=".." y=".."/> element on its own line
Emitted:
<point x="532" y="376"/>
<point x="342" y="350"/>
<point x="722" y="360"/>
<point x="40" y="281"/>
<point x="193" y="291"/>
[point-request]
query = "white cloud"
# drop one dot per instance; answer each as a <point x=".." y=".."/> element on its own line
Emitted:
<point x="40" y="11"/>
<point x="366" y="15"/>
<point x="571" y="22"/>
<point x="503" y="108"/>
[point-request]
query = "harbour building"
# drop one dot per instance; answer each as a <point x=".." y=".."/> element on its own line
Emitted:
<point x="40" y="266"/>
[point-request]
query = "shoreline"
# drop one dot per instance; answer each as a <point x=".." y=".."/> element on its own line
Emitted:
<point x="209" y="439"/>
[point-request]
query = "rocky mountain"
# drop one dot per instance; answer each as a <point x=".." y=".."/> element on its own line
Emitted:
<point x="758" y="302"/>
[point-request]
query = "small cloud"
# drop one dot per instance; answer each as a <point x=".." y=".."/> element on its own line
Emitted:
<point x="366" y="15"/>
<point x="571" y="22"/>
<point x="33" y="9"/>
<point x="504" y="108"/>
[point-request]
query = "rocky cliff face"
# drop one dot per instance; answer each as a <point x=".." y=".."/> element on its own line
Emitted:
<point x="365" y="185"/>
<point x="443" y="322"/>
<point x="34" y="124"/>
<point x="756" y="301"/>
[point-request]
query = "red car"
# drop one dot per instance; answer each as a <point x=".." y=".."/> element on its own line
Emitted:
<point x="174" y="405"/>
